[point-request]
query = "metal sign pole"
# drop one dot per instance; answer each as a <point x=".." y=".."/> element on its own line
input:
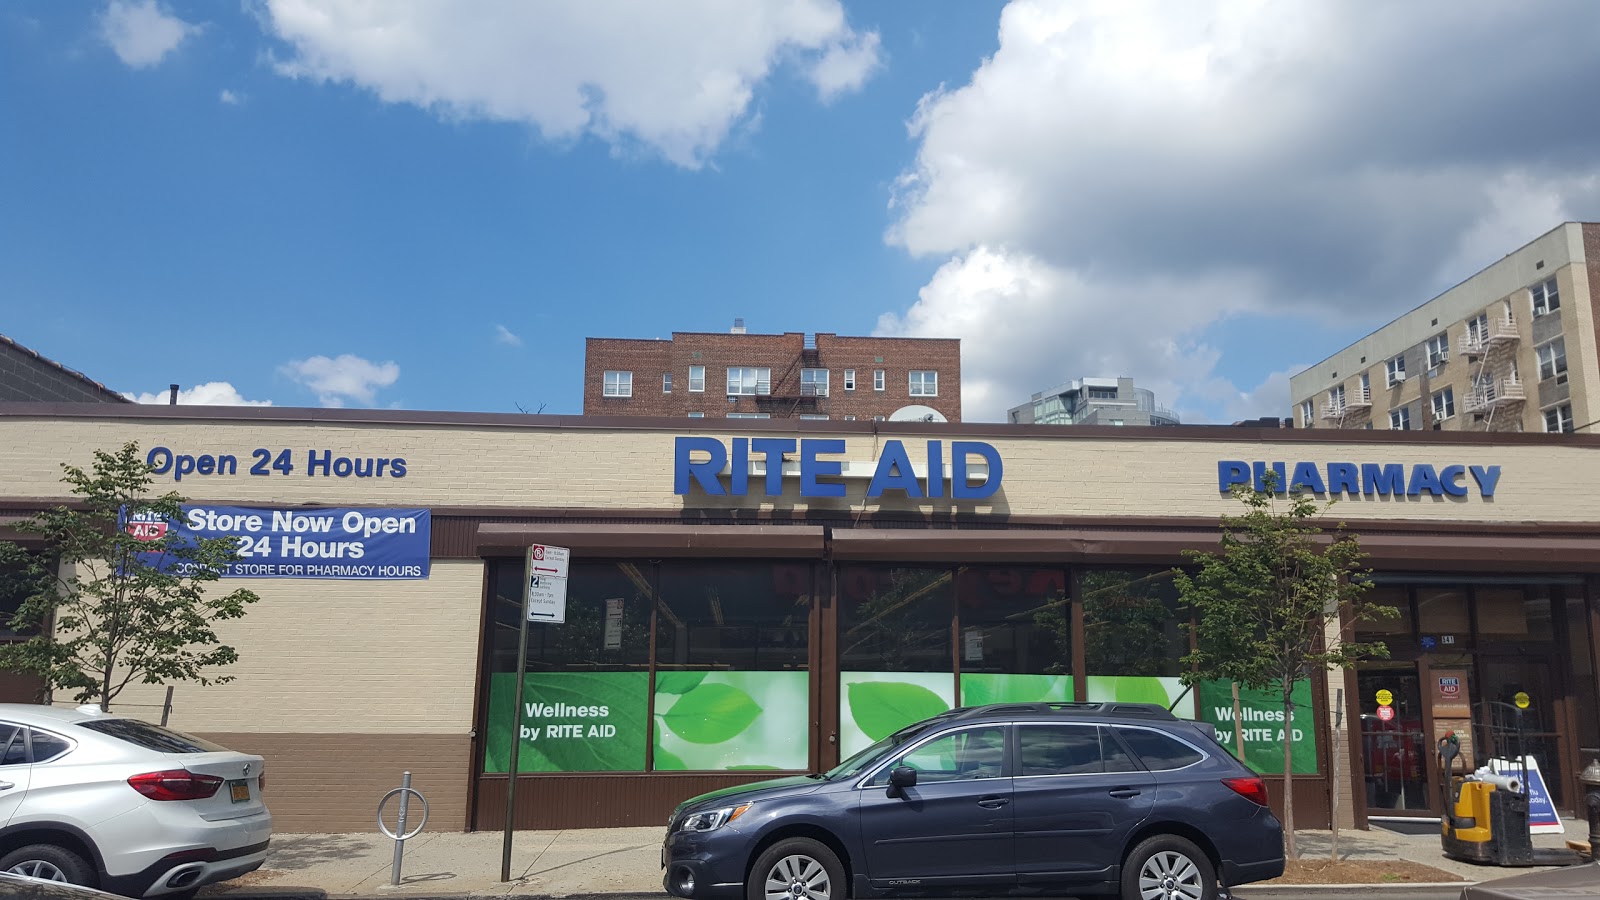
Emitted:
<point x="516" y="722"/>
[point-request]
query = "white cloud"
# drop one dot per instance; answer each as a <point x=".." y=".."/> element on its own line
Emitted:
<point x="229" y="98"/>
<point x="673" y="77"/>
<point x="212" y="393"/>
<point x="342" y="378"/>
<point x="503" y="335"/>
<point x="142" y="32"/>
<point x="1120" y="178"/>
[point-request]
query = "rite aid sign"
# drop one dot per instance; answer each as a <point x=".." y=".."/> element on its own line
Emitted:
<point x="703" y="461"/>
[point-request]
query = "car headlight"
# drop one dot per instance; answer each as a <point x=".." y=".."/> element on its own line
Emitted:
<point x="712" y="819"/>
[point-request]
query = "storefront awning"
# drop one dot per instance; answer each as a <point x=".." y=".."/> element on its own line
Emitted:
<point x="510" y="538"/>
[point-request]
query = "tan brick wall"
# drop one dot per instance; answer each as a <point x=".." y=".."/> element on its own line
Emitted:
<point x="1061" y="473"/>
<point x="648" y="360"/>
<point x="333" y="657"/>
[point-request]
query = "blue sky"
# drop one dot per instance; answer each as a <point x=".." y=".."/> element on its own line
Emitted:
<point x="314" y="202"/>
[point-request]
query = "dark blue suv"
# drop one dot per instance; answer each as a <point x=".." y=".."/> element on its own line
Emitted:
<point x="1046" y="798"/>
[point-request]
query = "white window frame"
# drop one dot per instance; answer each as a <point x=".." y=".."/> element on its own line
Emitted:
<point x="1563" y="417"/>
<point x="1400" y="419"/>
<point x="1366" y="388"/>
<point x="1556" y="350"/>
<point x="917" y="382"/>
<point x="849" y="379"/>
<point x="748" y="415"/>
<point x="849" y="418"/>
<point x="1438" y="350"/>
<point x="1546" y="298"/>
<point x="617" y="384"/>
<point x="666" y="382"/>
<point x="697" y="379"/>
<point x="1478" y="329"/>
<point x="813" y="417"/>
<point x="877" y="379"/>
<point x="817" y="378"/>
<point x="1308" y="413"/>
<point x="1394" y="370"/>
<point x="1444" y="405"/>
<point x="697" y="415"/>
<point x="751" y="381"/>
<point x="1336" y="398"/>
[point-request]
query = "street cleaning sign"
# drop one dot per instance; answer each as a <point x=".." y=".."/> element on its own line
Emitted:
<point x="323" y="542"/>
<point x="547" y="583"/>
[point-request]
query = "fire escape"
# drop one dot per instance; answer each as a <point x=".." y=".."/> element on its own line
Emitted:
<point x="1337" y="407"/>
<point x="1491" y="391"/>
<point x="791" y="395"/>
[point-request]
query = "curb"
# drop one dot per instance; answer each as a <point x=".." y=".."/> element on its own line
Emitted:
<point x="1245" y="891"/>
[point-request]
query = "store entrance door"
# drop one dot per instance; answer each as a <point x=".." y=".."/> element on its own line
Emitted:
<point x="1501" y="679"/>
<point x="1394" y="743"/>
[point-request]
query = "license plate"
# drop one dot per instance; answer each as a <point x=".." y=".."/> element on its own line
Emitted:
<point x="239" y="791"/>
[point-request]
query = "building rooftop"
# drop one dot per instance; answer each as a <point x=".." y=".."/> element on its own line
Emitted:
<point x="101" y="392"/>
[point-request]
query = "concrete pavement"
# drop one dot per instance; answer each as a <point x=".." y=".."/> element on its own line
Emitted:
<point x="617" y="862"/>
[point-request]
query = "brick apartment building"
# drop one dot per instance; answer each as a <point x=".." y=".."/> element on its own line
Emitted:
<point x="738" y="375"/>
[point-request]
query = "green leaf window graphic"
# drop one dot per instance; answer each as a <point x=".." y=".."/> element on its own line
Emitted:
<point x="982" y="688"/>
<point x="711" y="714"/>
<point x="879" y="708"/>
<point x="678" y="682"/>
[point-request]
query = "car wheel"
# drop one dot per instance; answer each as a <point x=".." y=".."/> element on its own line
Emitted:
<point x="797" y="869"/>
<point x="1168" y="867"/>
<point x="49" y="862"/>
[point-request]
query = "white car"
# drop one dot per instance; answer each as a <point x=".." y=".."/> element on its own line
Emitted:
<point x="132" y="808"/>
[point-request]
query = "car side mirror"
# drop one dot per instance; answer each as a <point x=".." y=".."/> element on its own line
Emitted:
<point x="900" y="778"/>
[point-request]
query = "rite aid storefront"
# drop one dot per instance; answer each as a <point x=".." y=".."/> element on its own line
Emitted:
<point x="768" y="597"/>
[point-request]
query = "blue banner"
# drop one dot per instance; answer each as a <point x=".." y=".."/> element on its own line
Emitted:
<point x="324" y="542"/>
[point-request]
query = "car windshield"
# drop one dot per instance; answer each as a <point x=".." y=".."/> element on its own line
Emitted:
<point x="872" y="754"/>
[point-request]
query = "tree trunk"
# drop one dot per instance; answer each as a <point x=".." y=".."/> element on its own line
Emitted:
<point x="1288" y="771"/>
<point x="1238" y="724"/>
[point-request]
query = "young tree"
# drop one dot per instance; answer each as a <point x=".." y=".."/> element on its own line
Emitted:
<point x="100" y="615"/>
<point x="1263" y="601"/>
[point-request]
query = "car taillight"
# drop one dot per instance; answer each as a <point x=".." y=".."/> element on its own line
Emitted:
<point x="1252" y="789"/>
<point x="261" y="782"/>
<point x="175" y="784"/>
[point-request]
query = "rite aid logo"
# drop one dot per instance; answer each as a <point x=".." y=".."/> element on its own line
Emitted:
<point x="1449" y="687"/>
<point x="146" y="526"/>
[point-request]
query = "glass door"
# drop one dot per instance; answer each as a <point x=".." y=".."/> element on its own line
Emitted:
<point x="1394" y="742"/>
<point x="1502" y="679"/>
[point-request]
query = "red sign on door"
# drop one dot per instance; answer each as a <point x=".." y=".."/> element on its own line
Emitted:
<point x="1385" y="713"/>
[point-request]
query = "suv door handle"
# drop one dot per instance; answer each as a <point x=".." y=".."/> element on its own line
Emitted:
<point x="6" y="785"/>
<point x="1125" y="793"/>
<point x="993" y="802"/>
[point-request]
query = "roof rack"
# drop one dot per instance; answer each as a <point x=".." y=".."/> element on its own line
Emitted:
<point x="1091" y="708"/>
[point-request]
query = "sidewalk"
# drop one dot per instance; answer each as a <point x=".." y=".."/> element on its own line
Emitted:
<point x="620" y="861"/>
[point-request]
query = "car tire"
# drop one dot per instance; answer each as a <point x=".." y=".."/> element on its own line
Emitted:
<point x="797" y="861"/>
<point x="1170" y="866"/>
<point x="49" y="862"/>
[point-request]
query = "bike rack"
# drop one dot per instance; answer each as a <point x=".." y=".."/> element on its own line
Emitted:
<point x="400" y="835"/>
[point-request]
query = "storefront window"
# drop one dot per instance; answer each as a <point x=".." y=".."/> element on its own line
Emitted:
<point x="1015" y="634"/>
<point x="1583" y="681"/>
<point x="586" y="693"/>
<point x="895" y="649"/>
<point x="1443" y="617"/>
<point x="1394" y="631"/>
<point x="1132" y="636"/>
<point x="1514" y="615"/>
<point x="731" y="661"/>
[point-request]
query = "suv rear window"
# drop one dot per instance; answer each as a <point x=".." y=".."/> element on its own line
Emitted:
<point x="1157" y="751"/>
<point x="151" y="737"/>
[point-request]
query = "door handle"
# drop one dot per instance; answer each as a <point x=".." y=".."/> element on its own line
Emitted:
<point x="993" y="802"/>
<point x="1125" y="793"/>
<point x="6" y="785"/>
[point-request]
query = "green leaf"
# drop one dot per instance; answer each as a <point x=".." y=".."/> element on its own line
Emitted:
<point x="1134" y="689"/>
<point x="678" y="682"/>
<point x="666" y="761"/>
<point x="980" y="688"/>
<point x="880" y="708"/>
<point x="711" y="714"/>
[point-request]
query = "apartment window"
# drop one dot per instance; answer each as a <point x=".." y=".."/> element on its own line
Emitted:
<point x="1395" y="370"/>
<point x="877" y="379"/>
<point x="813" y="417"/>
<point x="697" y="415"/>
<point x="666" y="383"/>
<point x="619" y="384"/>
<point x="849" y="418"/>
<point x="1438" y="350"/>
<point x="1102" y="393"/>
<point x="747" y="381"/>
<point x="1366" y="388"/>
<point x="925" y="383"/>
<point x="1400" y="419"/>
<point x="1553" y="361"/>
<point x="1444" y="404"/>
<point x="849" y="379"/>
<point x="1545" y="298"/>
<point x="813" y="382"/>
<point x="1478" y="330"/>
<point x="1308" y="414"/>
<point x="749" y="416"/>
<point x="1336" y="399"/>
<point x="877" y="418"/>
<point x="1559" y="418"/>
<point x="697" y="379"/>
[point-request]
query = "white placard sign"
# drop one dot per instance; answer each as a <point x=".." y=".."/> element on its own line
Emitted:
<point x="613" y="634"/>
<point x="547" y="583"/>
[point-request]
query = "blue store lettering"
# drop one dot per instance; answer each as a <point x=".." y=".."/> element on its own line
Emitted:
<point x="702" y="461"/>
